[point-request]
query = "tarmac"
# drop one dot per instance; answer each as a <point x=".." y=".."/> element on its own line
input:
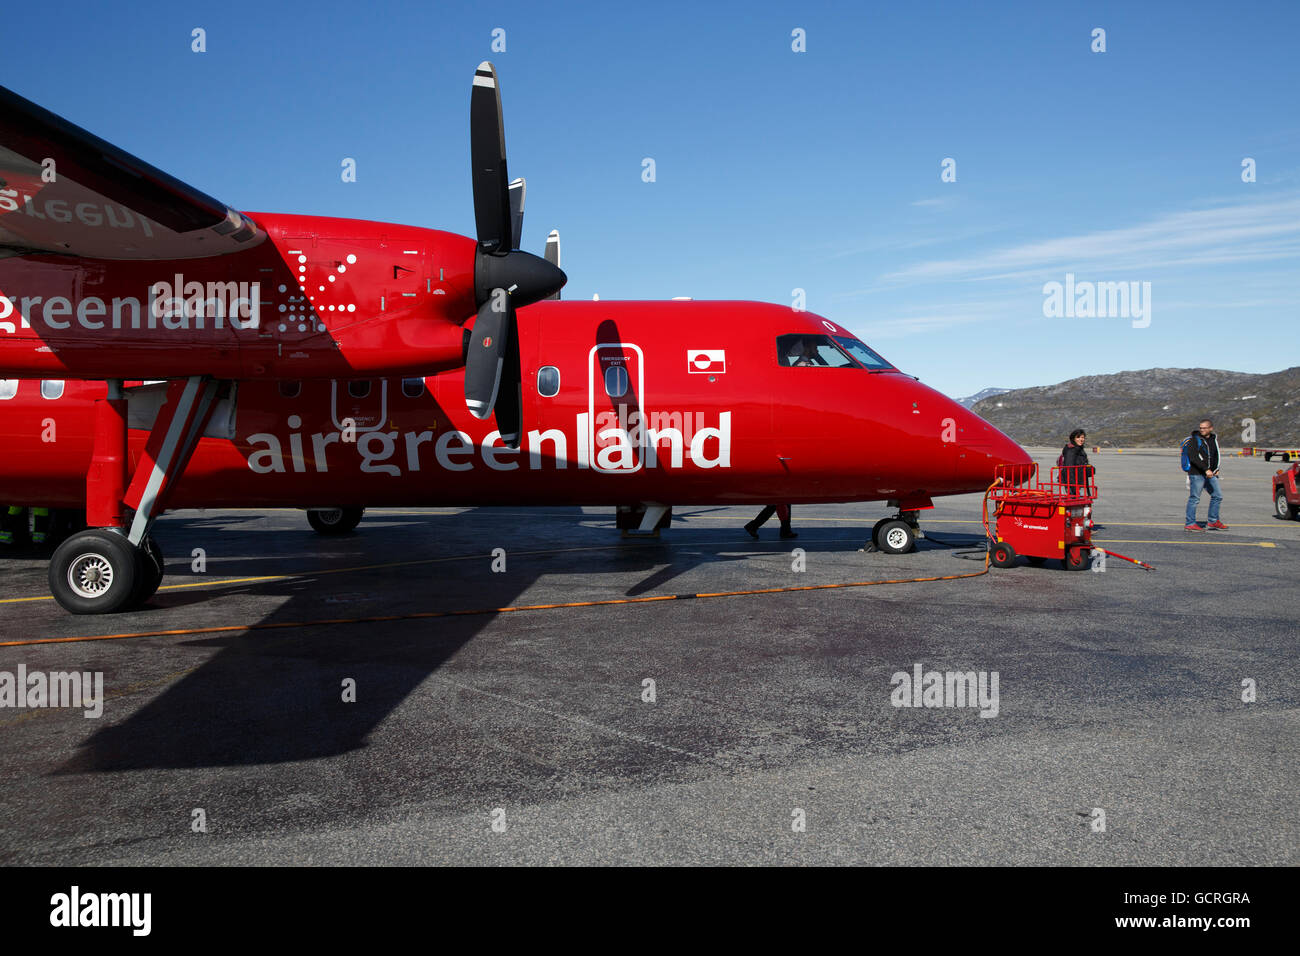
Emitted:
<point x="365" y="699"/>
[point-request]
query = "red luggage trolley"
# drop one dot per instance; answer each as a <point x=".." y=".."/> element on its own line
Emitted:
<point x="1041" y="520"/>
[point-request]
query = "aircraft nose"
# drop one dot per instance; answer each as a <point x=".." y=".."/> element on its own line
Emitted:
<point x="982" y="448"/>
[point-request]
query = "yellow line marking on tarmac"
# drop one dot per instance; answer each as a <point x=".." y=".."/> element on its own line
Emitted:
<point x="509" y="609"/>
<point x="804" y="519"/>
<point x="1239" y="544"/>
<point x="389" y="564"/>
<point x="488" y="510"/>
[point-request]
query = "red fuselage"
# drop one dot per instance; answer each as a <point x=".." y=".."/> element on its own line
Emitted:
<point x="671" y="402"/>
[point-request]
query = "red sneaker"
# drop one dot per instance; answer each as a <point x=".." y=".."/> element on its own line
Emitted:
<point x="1193" y="527"/>
<point x="1216" y="526"/>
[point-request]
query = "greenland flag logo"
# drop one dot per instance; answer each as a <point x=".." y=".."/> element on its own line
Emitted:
<point x="706" y="360"/>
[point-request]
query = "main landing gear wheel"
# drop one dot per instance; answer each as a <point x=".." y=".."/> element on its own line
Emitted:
<point x="1002" y="555"/>
<point x="149" y="571"/>
<point x="1077" y="558"/>
<point x="334" y="520"/>
<point x="94" y="572"/>
<point x="893" y="536"/>
<point x="1283" y="508"/>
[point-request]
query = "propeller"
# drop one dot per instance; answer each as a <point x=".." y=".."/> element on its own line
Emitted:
<point x="505" y="278"/>
<point x="553" y="256"/>
<point x="518" y="189"/>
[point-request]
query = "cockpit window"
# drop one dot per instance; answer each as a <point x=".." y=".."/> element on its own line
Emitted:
<point x="810" y="350"/>
<point x="863" y="355"/>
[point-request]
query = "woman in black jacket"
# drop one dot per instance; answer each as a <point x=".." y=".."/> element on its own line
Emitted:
<point x="1075" y="470"/>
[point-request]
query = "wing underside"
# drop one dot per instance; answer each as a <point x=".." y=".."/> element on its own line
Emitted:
<point x="64" y="190"/>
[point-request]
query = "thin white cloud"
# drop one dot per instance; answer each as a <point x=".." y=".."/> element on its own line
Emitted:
<point x="1242" y="232"/>
<point x="930" y="319"/>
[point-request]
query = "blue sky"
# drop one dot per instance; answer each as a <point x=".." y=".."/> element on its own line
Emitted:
<point x="775" y="170"/>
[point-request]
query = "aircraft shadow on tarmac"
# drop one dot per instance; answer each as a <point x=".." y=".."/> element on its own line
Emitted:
<point x="270" y="696"/>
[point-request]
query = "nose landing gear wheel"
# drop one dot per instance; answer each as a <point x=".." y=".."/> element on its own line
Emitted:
<point x="1002" y="555"/>
<point x="894" y="536"/>
<point x="334" y="520"/>
<point x="94" y="572"/>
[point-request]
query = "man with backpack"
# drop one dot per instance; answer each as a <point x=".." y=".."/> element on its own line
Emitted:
<point x="1201" y="462"/>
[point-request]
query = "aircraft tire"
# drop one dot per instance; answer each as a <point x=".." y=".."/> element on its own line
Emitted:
<point x="894" y="536"/>
<point x="334" y="520"/>
<point x="149" y="571"/>
<point x="94" y="572"/>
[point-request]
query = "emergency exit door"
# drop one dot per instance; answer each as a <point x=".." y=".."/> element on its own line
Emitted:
<point x="616" y="437"/>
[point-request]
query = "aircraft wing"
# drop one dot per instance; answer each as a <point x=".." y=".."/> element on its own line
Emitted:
<point x="66" y="191"/>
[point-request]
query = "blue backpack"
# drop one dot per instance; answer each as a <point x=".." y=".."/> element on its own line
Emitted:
<point x="1187" y="464"/>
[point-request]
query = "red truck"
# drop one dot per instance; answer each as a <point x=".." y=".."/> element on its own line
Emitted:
<point x="1286" y="492"/>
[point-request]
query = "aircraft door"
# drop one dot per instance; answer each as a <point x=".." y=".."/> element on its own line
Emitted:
<point x="361" y="402"/>
<point x="615" y="432"/>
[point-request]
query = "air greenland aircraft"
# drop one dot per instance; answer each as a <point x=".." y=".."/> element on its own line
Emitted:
<point x="288" y="349"/>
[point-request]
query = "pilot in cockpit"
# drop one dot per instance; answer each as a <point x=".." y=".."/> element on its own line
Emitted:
<point x="804" y="352"/>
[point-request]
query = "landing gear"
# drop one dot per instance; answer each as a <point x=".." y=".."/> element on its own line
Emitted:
<point x="893" y="536"/>
<point x="100" y="571"/>
<point x="334" y="520"/>
<point x="116" y="564"/>
<point x="95" y="572"/>
<point x="149" y="566"/>
<point x="897" y="535"/>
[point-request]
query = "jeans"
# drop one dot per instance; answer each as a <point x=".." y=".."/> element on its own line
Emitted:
<point x="1195" y="484"/>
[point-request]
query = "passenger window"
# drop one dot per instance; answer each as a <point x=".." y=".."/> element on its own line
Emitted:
<point x="412" y="387"/>
<point x="290" y="389"/>
<point x="8" y="388"/>
<point x="616" y="381"/>
<point x="359" y="389"/>
<point x="52" y="388"/>
<point x="548" y="381"/>
<point x="811" y="350"/>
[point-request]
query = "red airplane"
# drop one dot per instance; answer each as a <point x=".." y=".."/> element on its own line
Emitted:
<point x="287" y="349"/>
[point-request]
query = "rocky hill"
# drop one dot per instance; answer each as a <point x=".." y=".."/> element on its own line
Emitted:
<point x="971" y="400"/>
<point x="1153" y="407"/>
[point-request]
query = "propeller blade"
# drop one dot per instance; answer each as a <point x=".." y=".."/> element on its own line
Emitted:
<point x="487" y="146"/>
<point x="510" y="400"/>
<point x="518" y="189"/>
<point x="553" y="255"/>
<point x="488" y="344"/>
